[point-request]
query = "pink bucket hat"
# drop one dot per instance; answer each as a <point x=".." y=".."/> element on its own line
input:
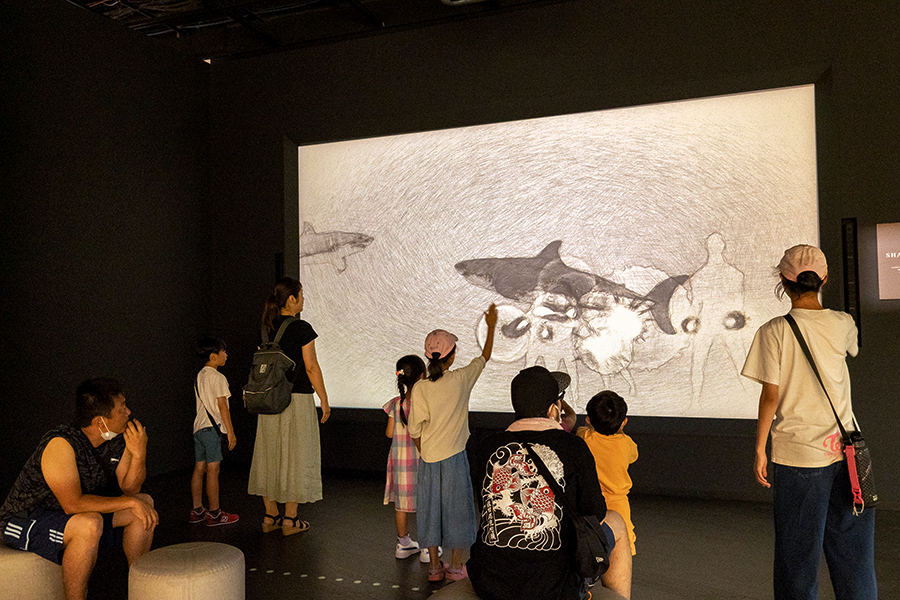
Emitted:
<point x="802" y="258"/>
<point x="440" y="342"/>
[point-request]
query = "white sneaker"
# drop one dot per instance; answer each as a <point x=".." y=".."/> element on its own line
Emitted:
<point x="406" y="551"/>
<point x="425" y="556"/>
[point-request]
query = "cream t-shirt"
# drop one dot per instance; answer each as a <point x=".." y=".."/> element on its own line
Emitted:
<point x="212" y="385"/>
<point x="439" y="414"/>
<point x="804" y="432"/>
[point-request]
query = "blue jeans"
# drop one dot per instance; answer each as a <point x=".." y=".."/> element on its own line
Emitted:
<point x="814" y="512"/>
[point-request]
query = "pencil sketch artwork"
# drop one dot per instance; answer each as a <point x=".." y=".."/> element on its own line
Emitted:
<point x="569" y="315"/>
<point x="716" y="314"/>
<point x="634" y="249"/>
<point x="567" y="319"/>
<point x="330" y="247"/>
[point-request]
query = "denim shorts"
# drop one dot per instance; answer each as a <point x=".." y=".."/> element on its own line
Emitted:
<point x="42" y="533"/>
<point x="207" y="446"/>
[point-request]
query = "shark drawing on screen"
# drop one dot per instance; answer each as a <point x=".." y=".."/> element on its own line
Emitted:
<point x="572" y="315"/>
<point x="330" y="247"/>
<point x="525" y="278"/>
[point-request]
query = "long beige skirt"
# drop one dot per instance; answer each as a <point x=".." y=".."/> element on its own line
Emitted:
<point x="287" y="461"/>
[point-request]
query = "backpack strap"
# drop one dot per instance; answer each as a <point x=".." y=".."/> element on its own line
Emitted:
<point x="281" y="329"/>
<point x="279" y="333"/>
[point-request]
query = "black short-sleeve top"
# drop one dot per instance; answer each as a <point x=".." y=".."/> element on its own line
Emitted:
<point x="298" y="334"/>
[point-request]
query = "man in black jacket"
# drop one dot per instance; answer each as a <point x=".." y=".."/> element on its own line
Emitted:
<point x="526" y="547"/>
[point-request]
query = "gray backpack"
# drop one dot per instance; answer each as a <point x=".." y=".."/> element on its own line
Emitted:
<point x="268" y="390"/>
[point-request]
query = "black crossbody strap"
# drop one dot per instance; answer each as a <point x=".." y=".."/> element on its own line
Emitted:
<point x="796" y="329"/>
<point x="208" y="414"/>
<point x="564" y="501"/>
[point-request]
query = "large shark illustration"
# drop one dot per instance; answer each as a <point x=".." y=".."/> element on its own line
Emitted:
<point x="330" y="246"/>
<point x="524" y="278"/>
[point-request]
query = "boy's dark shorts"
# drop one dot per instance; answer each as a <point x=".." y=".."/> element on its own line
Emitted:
<point x="207" y="446"/>
<point x="610" y="536"/>
<point x="42" y="533"/>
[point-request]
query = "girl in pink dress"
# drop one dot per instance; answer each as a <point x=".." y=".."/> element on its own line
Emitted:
<point x="403" y="458"/>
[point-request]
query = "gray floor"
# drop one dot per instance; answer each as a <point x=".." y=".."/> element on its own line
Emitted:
<point x="687" y="549"/>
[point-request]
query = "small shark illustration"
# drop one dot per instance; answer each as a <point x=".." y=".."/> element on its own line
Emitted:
<point x="330" y="246"/>
<point x="523" y="278"/>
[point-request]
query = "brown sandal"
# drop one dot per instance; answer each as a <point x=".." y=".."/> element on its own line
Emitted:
<point x="276" y="523"/>
<point x="292" y="529"/>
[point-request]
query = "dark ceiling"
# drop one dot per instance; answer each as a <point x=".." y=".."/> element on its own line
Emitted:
<point x="228" y="29"/>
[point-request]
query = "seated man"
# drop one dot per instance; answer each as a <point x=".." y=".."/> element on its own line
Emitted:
<point x="526" y="547"/>
<point x="81" y="482"/>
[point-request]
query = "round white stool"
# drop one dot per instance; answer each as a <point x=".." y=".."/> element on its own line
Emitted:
<point x="196" y="570"/>
<point x="27" y="576"/>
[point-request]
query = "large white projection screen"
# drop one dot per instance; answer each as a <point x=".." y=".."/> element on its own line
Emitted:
<point x="632" y="248"/>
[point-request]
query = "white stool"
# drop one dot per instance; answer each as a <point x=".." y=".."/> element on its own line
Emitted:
<point x="27" y="576"/>
<point x="196" y="570"/>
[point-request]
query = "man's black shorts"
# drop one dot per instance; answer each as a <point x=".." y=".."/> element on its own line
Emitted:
<point x="42" y="533"/>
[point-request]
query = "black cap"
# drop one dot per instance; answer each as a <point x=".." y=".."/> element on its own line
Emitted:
<point x="533" y="391"/>
<point x="562" y="380"/>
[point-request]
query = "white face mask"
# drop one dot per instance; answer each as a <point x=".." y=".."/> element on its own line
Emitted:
<point x="107" y="435"/>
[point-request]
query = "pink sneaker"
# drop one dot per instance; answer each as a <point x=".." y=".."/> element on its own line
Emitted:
<point x="456" y="574"/>
<point x="223" y="518"/>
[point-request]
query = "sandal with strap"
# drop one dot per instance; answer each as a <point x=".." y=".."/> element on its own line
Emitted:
<point x="435" y="575"/>
<point x="292" y="529"/>
<point x="276" y="523"/>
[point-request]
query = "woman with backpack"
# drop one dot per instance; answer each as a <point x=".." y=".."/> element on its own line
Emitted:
<point x="286" y="466"/>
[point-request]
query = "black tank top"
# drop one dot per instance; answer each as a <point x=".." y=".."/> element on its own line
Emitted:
<point x="96" y="470"/>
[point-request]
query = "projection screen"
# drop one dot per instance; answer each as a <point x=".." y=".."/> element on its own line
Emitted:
<point x="633" y="248"/>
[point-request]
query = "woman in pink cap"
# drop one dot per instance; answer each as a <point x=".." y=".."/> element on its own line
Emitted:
<point x="813" y="503"/>
<point x="439" y="425"/>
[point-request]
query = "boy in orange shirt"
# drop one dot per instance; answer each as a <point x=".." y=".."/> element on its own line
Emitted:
<point x="613" y="451"/>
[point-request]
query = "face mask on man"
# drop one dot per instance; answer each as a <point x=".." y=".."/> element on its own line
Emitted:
<point x="107" y="435"/>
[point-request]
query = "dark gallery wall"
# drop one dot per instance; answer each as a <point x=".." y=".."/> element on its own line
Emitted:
<point x="559" y="58"/>
<point x="143" y="192"/>
<point x="103" y="242"/>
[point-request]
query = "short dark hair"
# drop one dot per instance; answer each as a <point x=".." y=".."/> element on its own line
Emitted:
<point x="607" y="411"/>
<point x="95" y="397"/>
<point x="209" y="345"/>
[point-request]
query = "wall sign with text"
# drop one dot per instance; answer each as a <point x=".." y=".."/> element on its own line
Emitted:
<point x="888" y="260"/>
